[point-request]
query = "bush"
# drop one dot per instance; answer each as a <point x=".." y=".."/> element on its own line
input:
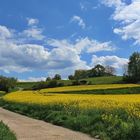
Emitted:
<point x="79" y="82"/>
<point x="7" y="84"/>
<point x="52" y="83"/>
<point x="49" y="84"/>
<point x="83" y="82"/>
<point x="40" y="85"/>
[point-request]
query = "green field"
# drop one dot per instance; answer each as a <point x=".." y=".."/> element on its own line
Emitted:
<point x="5" y="133"/>
<point x="94" y="81"/>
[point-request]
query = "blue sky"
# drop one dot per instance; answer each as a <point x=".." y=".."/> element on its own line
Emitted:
<point x="41" y="38"/>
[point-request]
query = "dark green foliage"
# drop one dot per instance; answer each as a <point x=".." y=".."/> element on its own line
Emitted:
<point x="49" y="84"/>
<point x="7" y="84"/>
<point x="5" y="133"/>
<point x="2" y="93"/>
<point x="117" y="125"/>
<point x="97" y="71"/>
<point x="80" y="74"/>
<point x="79" y="82"/>
<point x="133" y="72"/>
<point x="48" y="78"/>
<point x="57" y="77"/>
<point x="71" y="77"/>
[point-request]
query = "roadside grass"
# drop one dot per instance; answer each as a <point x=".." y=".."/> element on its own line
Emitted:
<point x="5" y="133"/>
<point x="114" y="124"/>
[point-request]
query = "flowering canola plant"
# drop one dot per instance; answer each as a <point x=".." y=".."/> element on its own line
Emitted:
<point x="130" y="103"/>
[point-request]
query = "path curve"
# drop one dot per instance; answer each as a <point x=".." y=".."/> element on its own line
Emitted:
<point x="30" y="129"/>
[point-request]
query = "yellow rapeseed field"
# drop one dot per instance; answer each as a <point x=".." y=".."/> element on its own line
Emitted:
<point x="131" y="103"/>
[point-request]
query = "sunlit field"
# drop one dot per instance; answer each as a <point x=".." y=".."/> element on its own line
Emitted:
<point x="110" y="116"/>
<point x="44" y="97"/>
<point x="89" y="87"/>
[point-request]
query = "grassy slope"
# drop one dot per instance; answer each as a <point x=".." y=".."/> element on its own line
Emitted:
<point x="106" y="80"/>
<point x="95" y="81"/>
<point x="5" y="133"/>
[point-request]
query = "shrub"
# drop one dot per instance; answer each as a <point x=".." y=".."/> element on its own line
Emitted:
<point x="49" y="84"/>
<point x="6" y="84"/>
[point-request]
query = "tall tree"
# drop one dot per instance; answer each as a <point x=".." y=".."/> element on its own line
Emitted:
<point x="99" y="70"/>
<point x="80" y="74"/>
<point x="57" y="77"/>
<point x="133" y="73"/>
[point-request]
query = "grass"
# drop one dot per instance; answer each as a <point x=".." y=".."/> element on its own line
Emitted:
<point x="5" y="133"/>
<point x="106" y="80"/>
<point x="2" y="93"/>
<point x="26" y="85"/>
<point x="94" y="81"/>
<point x="114" y="91"/>
<point x="114" y="124"/>
<point x="88" y="88"/>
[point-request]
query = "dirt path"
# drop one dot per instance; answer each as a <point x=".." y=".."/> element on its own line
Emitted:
<point x="30" y="129"/>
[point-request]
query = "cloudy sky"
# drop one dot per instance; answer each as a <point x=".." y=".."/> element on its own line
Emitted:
<point x="39" y="38"/>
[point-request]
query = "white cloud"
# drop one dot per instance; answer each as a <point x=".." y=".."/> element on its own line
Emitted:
<point x="64" y="56"/>
<point x="4" y="32"/>
<point x="33" y="79"/>
<point x="79" y="20"/>
<point x="21" y="57"/>
<point x="34" y="33"/>
<point x="92" y="46"/>
<point x="115" y="3"/>
<point x="128" y="16"/>
<point x="114" y="61"/>
<point x="32" y="21"/>
<point x="83" y="45"/>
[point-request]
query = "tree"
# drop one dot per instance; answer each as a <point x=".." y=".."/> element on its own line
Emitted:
<point x="71" y="77"/>
<point x="57" y="77"/>
<point x="6" y="84"/>
<point x="48" y="78"/>
<point x="110" y="71"/>
<point x="99" y="70"/>
<point x="80" y="74"/>
<point x="133" y="73"/>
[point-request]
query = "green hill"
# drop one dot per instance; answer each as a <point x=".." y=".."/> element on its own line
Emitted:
<point x="94" y="81"/>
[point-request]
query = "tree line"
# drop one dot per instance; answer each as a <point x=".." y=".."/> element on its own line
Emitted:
<point x="131" y="75"/>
